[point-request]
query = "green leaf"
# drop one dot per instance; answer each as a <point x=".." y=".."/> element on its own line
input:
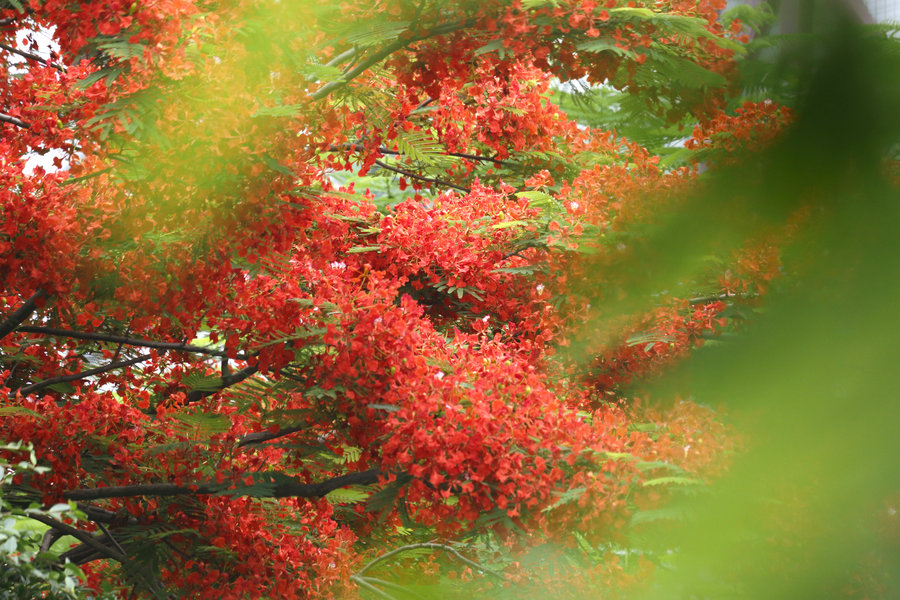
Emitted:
<point x="358" y="249"/>
<point x="490" y="47"/>
<point x="603" y="45"/>
<point x="647" y="338"/>
<point x="508" y="224"/>
<point x="532" y="4"/>
<point x="376" y="33"/>
<point x="17" y="410"/>
<point x="276" y="166"/>
<point x="536" y="198"/>
<point x="317" y="72"/>
<point x="63" y="388"/>
<point x="280" y="110"/>
<point x="205" y="424"/>
<point x="121" y="49"/>
<point x="566" y="497"/>
<point x="672" y="481"/>
<point x="640" y="13"/>
<point x="420" y="147"/>
<point x="348" y="495"/>
<point x="202" y="383"/>
<point x="59" y="508"/>
<point x="516" y="270"/>
<point x="646" y="427"/>
<point x="110" y="73"/>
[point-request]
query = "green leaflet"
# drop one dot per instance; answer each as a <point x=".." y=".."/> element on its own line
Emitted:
<point x="110" y="73"/>
<point x="420" y="147"/>
<point x="566" y="497"/>
<point x="358" y="249"/>
<point x="204" y="424"/>
<point x="121" y="49"/>
<point x="348" y="495"/>
<point x="694" y="27"/>
<point x="275" y="165"/>
<point x="603" y="45"/>
<point x="373" y="34"/>
<point x="536" y="198"/>
<point x="202" y="383"/>
<point x="280" y="110"/>
<point x="647" y="338"/>
<point x="18" y="410"/>
<point x="672" y="481"/>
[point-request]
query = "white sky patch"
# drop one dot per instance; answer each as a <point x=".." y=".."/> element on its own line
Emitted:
<point x="45" y="45"/>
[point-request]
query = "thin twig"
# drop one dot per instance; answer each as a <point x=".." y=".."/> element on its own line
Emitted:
<point x="266" y="436"/>
<point x="76" y="376"/>
<point x="413" y="175"/>
<point x="433" y="546"/>
<point x="118" y="339"/>
<point x="111" y="538"/>
<point x="33" y="56"/>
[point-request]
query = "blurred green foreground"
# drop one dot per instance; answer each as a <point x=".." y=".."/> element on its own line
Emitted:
<point x="810" y="509"/>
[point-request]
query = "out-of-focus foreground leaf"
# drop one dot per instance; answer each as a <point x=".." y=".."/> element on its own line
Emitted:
<point x="809" y="509"/>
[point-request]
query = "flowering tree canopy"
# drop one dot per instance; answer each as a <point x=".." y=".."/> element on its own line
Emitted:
<point x="303" y="290"/>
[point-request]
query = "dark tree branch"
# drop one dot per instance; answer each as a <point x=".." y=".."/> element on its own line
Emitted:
<point x="465" y="155"/>
<point x="32" y="56"/>
<point x="83" y="553"/>
<point x="292" y="489"/>
<point x="4" y="118"/>
<point x="108" y="517"/>
<point x="92" y="549"/>
<point x="412" y="175"/>
<point x="76" y="376"/>
<point x="266" y="436"/>
<point x="528" y="244"/>
<point x="50" y="537"/>
<point x="82" y="536"/>
<point x="227" y="381"/>
<point x="20" y="314"/>
<point x="110" y="537"/>
<point x="118" y="339"/>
